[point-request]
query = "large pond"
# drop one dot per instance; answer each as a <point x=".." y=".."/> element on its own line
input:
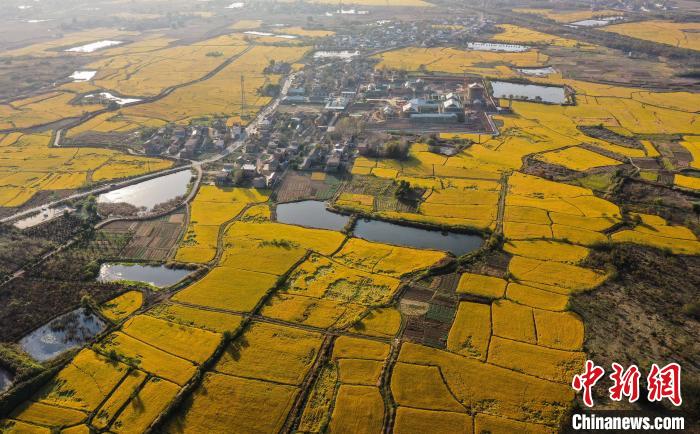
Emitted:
<point x="62" y="334"/>
<point x="391" y="233"/>
<point x="5" y="380"/>
<point x="529" y="92"/>
<point x="312" y="214"/>
<point x="150" y="193"/>
<point x="156" y="275"/>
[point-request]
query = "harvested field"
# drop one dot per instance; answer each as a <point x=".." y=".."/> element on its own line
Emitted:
<point x="300" y="185"/>
<point x="151" y="240"/>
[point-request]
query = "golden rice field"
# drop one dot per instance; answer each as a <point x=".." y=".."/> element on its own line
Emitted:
<point x="471" y="330"/>
<point x="279" y="299"/>
<point x="578" y="159"/>
<point x="537" y="208"/>
<point x="212" y="207"/>
<point x="206" y="98"/>
<point x="358" y="409"/>
<point x="688" y="182"/>
<point x="382" y="322"/>
<point x="485" y="286"/>
<point x="523" y="35"/>
<point x="183" y="341"/>
<point x="311" y="33"/>
<point x="52" y="48"/>
<point x="471" y="386"/>
<point x="654" y="231"/>
<point x="254" y="405"/>
<point x="149" y="73"/>
<point x="461" y="191"/>
<point x="29" y="165"/>
<point x="682" y="35"/>
<point x="274" y="247"/>
<point x="385" y="259"/>
<point x="41" y="109"/>
<point x="692" y="144"/>
<point x="226" y="288"/>
<point x="416" y="421"/>
<point x="321" y="277"/>
<point x="142" y="410"/>
<point x="359" y="371"/>
<point x="122" y="306"/>
<point x="486" y="63"/>
<point x="272" y="353"/>
<point x="79" y="377"/>
<point x="217" y="322"/>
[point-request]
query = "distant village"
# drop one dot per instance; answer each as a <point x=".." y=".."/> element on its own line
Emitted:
<point x="341" y="107"/>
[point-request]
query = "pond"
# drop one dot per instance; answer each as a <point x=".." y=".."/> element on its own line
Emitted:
<point x="156" y="275"/>
<point x="391" y="233"/>
<point x="148" y="194"/>
<point x="5" y="379"/>
<point x="44" y="215"/>
<point x="94" y="46"/>
<point x="112" y="98"/>
<point x="312" y="214"/>
<point x="62" y="334"/>
<point x="529" y="92"/>
<point x="256" y="33"/>
<point x="537" y="72"/>
<point x="345" y="54"/>
<point x="495" y="46"/>
<point x="80" y="76"/>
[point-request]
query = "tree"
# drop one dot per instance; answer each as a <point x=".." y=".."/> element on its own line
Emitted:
<point x="696" y="209"/>
<point x="403" y="189"/>
<point x="396" y="150"/>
